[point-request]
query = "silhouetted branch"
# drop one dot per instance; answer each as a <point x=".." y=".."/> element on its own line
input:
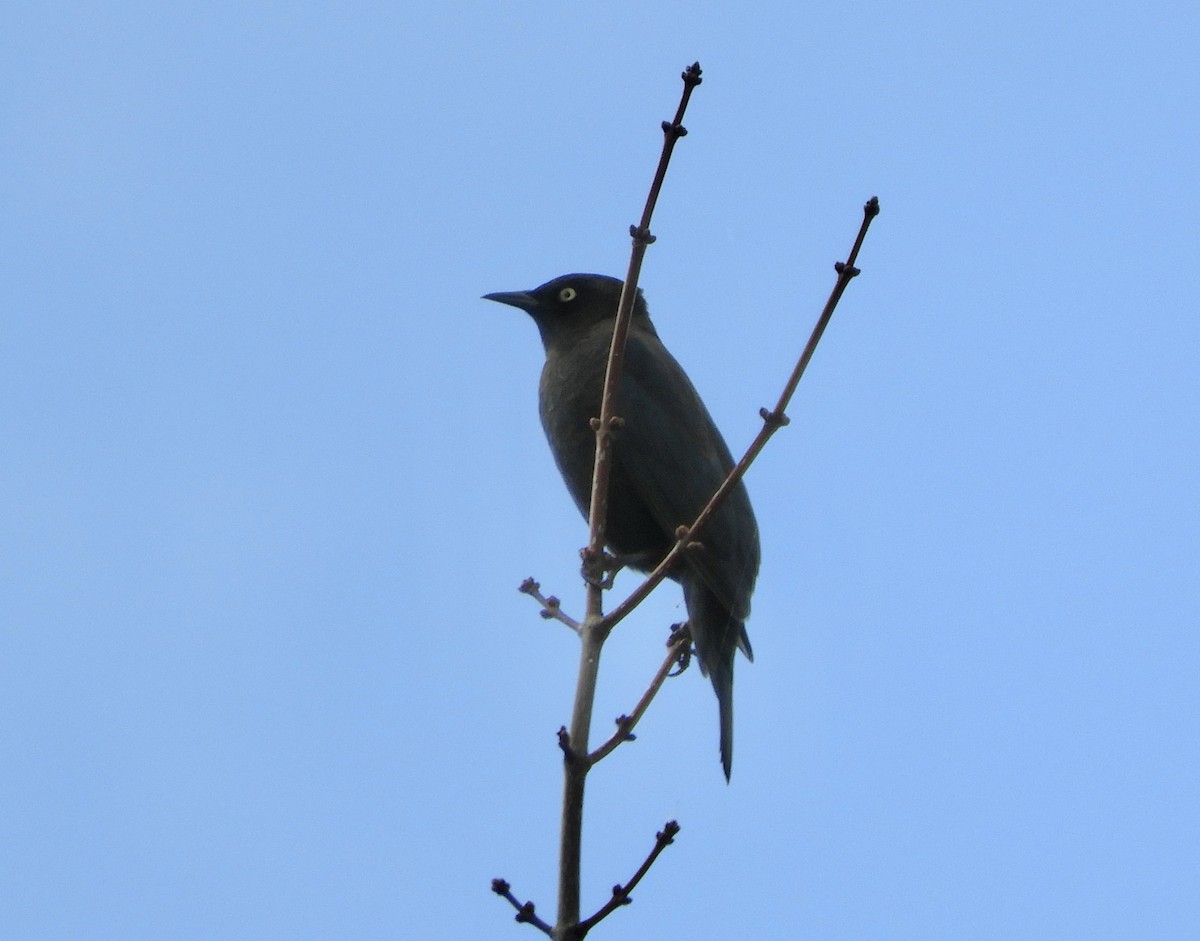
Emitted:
<point x="773" y="420"/>
<point x="593" y="631"/>
<point x="551" y="606"/>
<point x="678" y="645"/>
<point x="622" y="894"/>
<point x="525" y="912"/>
<point x="609" y="420"/>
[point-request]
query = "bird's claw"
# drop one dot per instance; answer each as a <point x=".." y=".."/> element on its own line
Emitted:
<point x="681" y="632"/>
<point x="602" y="572"/>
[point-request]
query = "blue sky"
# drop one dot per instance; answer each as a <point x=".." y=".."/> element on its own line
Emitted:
<point x="271" y="471"/>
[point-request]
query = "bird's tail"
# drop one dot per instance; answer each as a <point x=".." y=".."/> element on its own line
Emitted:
<point x="722" y="681"/>
<point x="717" y="635"/>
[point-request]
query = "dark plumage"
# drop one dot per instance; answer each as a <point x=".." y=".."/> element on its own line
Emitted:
<point x="669" y="460"/>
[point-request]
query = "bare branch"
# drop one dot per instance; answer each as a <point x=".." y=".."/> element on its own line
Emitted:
<point x="594" y="630"/>
<point x="551" y="606"/>
<point x="525" y="912"/>
<point x="773" y="420"/>
<point x="678" y="647"/>
<point x="622" y="894"/>
<point x="609" y="420"/>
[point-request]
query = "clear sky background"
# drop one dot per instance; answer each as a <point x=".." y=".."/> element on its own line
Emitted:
<point x="270" y="471"/>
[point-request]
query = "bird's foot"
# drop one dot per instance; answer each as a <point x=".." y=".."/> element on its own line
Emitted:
<point x="681" y="634"/>
<point x="600" y="572"/>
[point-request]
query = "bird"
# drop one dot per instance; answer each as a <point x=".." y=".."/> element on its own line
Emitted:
<point x="668" y="460"/>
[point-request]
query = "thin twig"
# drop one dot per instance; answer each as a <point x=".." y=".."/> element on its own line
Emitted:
<point x="551" y="606"/>
<point x="621" y="894"/>
<point x="677" y="651"/>
<point x="608" y="420"/>
<point x="593" y="630"/>
<point x="525" y="912"/>
<point x="773" y="420"/>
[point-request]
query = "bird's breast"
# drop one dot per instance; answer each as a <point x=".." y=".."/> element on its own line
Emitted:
<point x="569" y="397"/>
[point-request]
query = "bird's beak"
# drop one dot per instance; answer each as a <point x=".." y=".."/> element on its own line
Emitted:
<point x="522" y="299"/>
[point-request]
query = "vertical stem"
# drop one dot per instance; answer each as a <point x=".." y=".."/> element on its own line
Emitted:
<point x="575" y="769"/>
<point x="593" y="631"/>
<point x="640" y="233"/>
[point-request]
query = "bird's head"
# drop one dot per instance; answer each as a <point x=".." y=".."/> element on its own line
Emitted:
<point x="569" y="306"/>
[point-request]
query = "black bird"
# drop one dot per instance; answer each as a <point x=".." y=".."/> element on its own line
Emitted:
<point x="668" y="461"/>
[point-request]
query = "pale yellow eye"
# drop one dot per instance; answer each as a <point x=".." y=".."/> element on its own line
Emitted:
<point x="567" y="294"/>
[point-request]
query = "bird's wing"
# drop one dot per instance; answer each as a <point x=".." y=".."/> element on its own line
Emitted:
<point x="676" y="459"/>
